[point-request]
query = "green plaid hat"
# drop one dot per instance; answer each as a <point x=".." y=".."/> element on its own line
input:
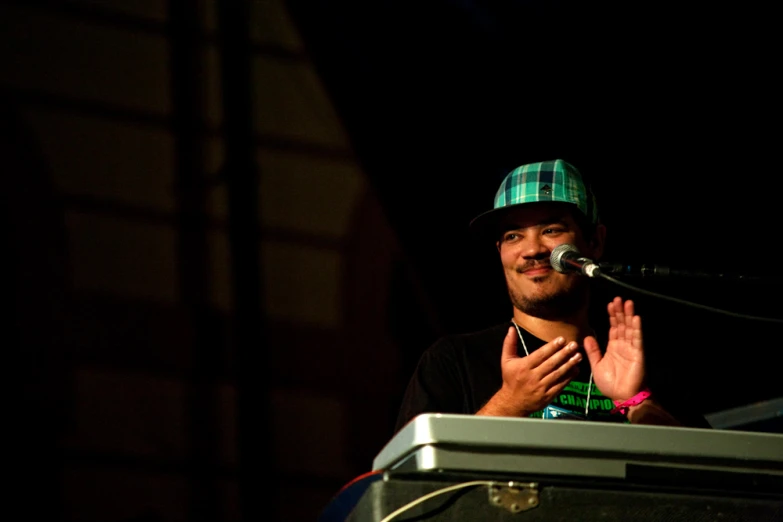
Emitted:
<point x="556" y="180"/>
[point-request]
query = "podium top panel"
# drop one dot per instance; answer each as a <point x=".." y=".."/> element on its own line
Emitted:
<point x="526" y="435"/>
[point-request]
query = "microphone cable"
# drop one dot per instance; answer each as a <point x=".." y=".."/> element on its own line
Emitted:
<point x="687" y="303"/>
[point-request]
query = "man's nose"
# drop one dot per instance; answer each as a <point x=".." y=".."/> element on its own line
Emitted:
<point x="534" y="248"/>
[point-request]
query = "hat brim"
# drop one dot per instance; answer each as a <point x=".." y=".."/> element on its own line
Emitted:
<point x="487" y="225"/>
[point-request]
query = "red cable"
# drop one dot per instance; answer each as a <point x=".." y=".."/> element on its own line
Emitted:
<point x="357" y="479"/>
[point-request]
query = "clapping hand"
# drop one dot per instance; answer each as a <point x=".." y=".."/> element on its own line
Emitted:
<point x="620" y="371"/>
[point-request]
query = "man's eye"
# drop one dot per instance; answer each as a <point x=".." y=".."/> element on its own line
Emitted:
<point x="552" y="230"/>
<point x="511" y="236"/>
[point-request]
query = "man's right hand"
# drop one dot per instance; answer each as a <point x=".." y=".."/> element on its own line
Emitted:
<point x="532" y="382"/>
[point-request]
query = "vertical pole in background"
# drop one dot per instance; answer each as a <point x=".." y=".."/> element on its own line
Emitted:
<point x="193" y="258"/>
<point x="241" y="174"/>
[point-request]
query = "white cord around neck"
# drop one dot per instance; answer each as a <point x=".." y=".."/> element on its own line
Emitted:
<point x="522" y="339"/>
<point x="589" y="385"/>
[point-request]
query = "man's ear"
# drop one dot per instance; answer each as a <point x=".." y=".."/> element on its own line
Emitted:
<point x="598" y="241"/>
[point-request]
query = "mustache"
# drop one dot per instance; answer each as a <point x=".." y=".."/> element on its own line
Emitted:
<point x="531" y="265"/>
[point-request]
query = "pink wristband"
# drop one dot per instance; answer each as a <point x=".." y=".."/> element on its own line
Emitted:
<point x="622" y="406"/>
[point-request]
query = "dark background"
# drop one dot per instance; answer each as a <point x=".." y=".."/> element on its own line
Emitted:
<point x="669" y="111"/>
<point x="672" y="112"/>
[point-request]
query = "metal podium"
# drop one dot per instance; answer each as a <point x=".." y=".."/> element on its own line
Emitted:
<point x="471" y="468"/>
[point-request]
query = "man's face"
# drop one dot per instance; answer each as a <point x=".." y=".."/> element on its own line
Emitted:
<point x="530" y="234"/>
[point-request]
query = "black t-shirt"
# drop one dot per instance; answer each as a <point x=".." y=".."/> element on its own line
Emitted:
<point x="460" y="373"/>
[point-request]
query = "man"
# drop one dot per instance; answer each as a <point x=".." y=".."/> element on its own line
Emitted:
<point x="547" y="361"/>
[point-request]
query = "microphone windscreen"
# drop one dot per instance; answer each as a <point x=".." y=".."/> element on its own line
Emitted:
<point x="556" y="257"/>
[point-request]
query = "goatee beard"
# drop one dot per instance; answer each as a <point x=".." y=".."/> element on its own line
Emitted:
<point x="560" y="305"/>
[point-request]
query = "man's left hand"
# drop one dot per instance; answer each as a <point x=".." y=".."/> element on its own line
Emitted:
<point x="619" y="372"/>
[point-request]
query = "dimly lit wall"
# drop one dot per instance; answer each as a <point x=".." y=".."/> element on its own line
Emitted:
<point x="119" y="227"/>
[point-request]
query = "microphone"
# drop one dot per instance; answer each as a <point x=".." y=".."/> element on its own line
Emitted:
<point x="566" y="258"/>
